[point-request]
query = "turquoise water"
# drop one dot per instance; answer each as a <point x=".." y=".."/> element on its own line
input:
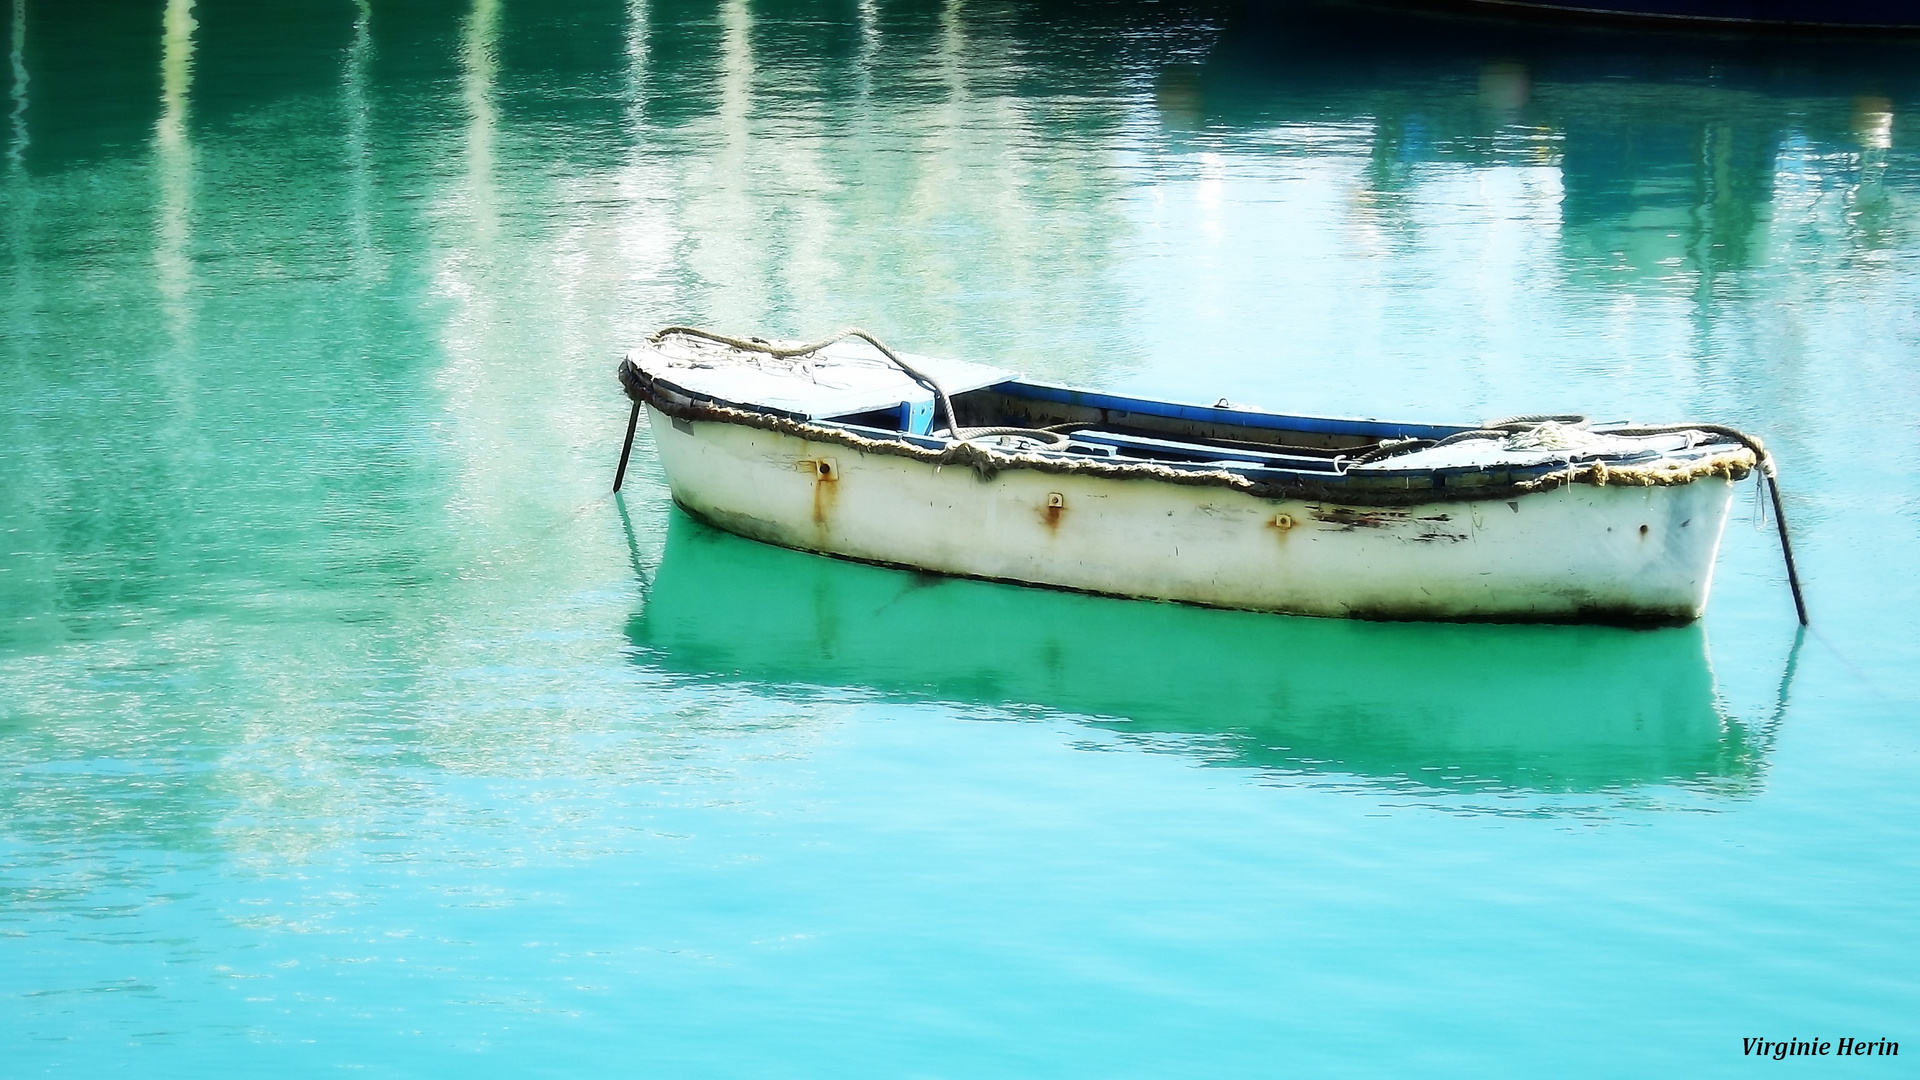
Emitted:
<point x="346" y="722"/>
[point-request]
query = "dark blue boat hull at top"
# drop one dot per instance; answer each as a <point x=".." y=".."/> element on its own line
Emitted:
<point x="1859" y="14"/>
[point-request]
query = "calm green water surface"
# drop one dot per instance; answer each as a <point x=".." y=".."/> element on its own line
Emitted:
<point x="346" y="722"/>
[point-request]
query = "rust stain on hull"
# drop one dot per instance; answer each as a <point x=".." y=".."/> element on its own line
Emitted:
<point x="826" y="486"/>
<point x="1053" y="511"/>
<point x="1348" y="518"/>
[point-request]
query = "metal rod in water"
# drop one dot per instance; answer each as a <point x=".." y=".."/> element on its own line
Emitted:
<point x="633" y="421"/>
<point x="1786" y="548"/>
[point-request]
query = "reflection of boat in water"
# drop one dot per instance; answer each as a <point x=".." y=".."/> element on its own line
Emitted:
<point x="1574" y="708"/>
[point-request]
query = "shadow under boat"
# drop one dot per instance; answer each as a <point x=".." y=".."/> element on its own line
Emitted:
<point x="1488" y="707"/>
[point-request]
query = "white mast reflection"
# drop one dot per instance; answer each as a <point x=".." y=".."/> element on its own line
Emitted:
<point x="982" y="164"/>
<point x="17" y="153"/>
<point x="810" y="280"/>
<point x="469" y="262"/>
<point x="639" y="55"/>
<point x="20" y="229"/>
<point x="479" y="68"/>
<point x="354" y="97"/>
<point x="488" y="289"/>
<point x="173" y="162"/>
<point x="644" y="236"/>
<point x="725" y="252"/>
<point x="869" y="14"/>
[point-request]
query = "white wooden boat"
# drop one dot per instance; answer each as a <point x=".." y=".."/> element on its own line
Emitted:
<point x="847" y="448"/>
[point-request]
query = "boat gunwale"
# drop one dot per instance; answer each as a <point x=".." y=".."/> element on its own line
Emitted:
<point x="1375" y="488"/>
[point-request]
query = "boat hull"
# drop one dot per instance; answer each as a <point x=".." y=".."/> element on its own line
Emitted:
<point x="1578" y="552"/>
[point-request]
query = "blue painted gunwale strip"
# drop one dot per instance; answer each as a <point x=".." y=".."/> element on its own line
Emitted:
<point x="1253" y="418"/>
<point x="1436" y="478"/>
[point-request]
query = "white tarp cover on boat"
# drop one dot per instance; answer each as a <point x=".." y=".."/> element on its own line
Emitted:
<point x="849" y="376"/>
<point x="1547" y="444"/>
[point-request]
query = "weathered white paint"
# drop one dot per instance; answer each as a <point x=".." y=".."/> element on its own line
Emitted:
<point x="1575" y="551"/>
<point x="848" y="376"/>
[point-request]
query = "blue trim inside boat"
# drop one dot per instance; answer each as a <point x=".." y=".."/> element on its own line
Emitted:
<point x="1327" y="472"/>
<point x="1166" y="450"/>
<point x="1324" y="474"/>
<point x="916" y="417"/>
<point x="1215" y="414"/>
<point x="1201" y="457"/>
